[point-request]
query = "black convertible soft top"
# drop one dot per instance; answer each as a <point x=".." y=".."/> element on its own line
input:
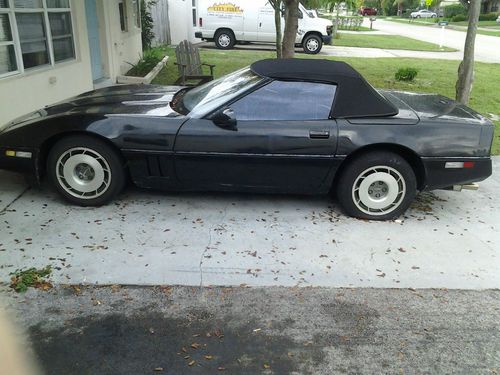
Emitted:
<point x="354" y="97"/>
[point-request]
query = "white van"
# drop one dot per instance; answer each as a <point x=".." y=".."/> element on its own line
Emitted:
<point x="227" y="22"/>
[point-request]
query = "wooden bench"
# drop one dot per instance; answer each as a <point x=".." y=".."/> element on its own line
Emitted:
<point x="190" y="65"/>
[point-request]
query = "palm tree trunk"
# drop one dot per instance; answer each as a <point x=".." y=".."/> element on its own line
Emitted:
<point x="466" y="68"/>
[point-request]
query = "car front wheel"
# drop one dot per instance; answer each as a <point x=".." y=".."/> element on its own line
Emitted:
<point x="312" y="44"/>
<point x="85" y="171"/>
<point x="377" y="186"/>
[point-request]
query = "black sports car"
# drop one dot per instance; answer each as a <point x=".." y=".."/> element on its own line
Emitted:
<point x="292" y="126"/>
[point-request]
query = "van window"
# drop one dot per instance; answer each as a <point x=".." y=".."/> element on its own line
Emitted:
<point x="287" y="101"/>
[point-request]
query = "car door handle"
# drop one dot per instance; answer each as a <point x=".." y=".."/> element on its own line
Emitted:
<point x="319" y="134"/>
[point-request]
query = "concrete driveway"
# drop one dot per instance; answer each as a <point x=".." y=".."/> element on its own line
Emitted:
<point x="447" y="239"/>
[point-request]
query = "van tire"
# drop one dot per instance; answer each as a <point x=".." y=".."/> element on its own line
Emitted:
<point x="224" y="39"/>
<point x="312" y="44"/>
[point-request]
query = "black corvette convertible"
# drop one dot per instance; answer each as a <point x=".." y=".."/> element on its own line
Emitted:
<point x="287" y="126"/>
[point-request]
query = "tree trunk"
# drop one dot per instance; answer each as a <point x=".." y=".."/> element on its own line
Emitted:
<point x="466" y="68"/>
<point x="279" y="37"/>
<point x="337" y="20"/>
<point x="291" y="28"/>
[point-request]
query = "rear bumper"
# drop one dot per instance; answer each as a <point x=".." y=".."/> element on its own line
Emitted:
<point x="439" y="177"/>
<point x="198" y="34"/>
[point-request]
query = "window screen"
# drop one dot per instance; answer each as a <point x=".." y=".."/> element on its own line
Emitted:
<point x="33" y="40"/>
<point x="284" y="100"/>
<point x="62" y="35"/>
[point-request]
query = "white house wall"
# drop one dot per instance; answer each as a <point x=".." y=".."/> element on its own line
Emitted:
<point x="23" y="93"/>
<point x="124" y="47"/>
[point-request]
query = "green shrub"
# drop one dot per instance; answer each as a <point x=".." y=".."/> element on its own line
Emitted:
<point x="407" y="74"/>
<point x="459" y="18"/>
<point x="148" y="61"/>
<point x="488" y="17"/>
<point x="453" y="10"/>
<point x="147" y="33"/>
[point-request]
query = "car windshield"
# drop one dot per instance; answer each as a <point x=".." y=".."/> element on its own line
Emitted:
<point x="205" y="98"/>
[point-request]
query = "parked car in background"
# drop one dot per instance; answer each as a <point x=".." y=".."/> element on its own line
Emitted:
<point x="366" y="11"/>
<point x="423" y="13"/>
<point x="227" y="24"/>
<point x="498" y="19"/>
<point x="301" y="126"/>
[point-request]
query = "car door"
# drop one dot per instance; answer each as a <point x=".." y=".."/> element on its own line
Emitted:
<point x="283" y="141"/>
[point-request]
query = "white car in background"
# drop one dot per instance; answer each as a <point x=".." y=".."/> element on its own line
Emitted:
<point x="423" y="13"/>
<point x="498" y="19"/>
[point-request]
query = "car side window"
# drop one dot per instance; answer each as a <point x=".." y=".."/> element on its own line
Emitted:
<point x="287" y="101"/>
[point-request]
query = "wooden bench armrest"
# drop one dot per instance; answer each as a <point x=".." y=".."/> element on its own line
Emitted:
<point x="211" y="68"/>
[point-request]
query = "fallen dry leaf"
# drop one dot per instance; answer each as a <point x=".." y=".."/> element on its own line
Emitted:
<point x="195" y="345"/>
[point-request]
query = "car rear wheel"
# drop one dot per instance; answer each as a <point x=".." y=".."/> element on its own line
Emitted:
<point x="312" y="44"/>
<point x="377" y="186"/>
<point x="224" y="39"/>
<point x="85" y="171"/>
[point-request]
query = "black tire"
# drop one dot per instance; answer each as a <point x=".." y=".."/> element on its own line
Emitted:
<point x="103" y="161"/>
<point x="312" y="44"/>
<point x="351" y="185"/>
<point x="224" y="39"/>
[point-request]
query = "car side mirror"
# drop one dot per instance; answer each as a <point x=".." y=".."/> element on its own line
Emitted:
<point x="225" y="119"/>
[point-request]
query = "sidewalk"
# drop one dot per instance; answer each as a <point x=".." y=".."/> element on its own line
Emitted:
<point x="340" y="51"/>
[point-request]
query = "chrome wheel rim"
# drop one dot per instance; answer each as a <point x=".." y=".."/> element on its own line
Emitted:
<point x="224" y="40"/>
<point x="379" y="190"/>
<point x="312" y="45"/>
<point x="83" y="173"/>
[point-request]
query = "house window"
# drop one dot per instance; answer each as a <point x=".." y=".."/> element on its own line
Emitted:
<point x="34" y="48"/>
<point x="34" y="33"/>
<point x="62" y="35"/>
<point x="7" y="53"/>
<point x="137" y="13"/>
<point x="193" y="6"/>
<point x="122" y="7"/>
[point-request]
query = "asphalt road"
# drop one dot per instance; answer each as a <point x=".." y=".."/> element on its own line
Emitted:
<point x="192" y="330"/>
<point x="487" y="48"/>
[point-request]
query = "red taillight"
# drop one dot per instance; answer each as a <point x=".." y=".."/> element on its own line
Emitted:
<point x="201" y="22"/>
<point x="469" y="164"/>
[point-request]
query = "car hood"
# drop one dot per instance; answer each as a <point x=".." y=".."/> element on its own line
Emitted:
<point x="152" y="100"/>
<point x="145" y="100"/>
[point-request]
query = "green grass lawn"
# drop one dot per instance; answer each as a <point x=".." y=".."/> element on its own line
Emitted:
<point x="387" y="42"/>
<point x="435" y="76"/>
